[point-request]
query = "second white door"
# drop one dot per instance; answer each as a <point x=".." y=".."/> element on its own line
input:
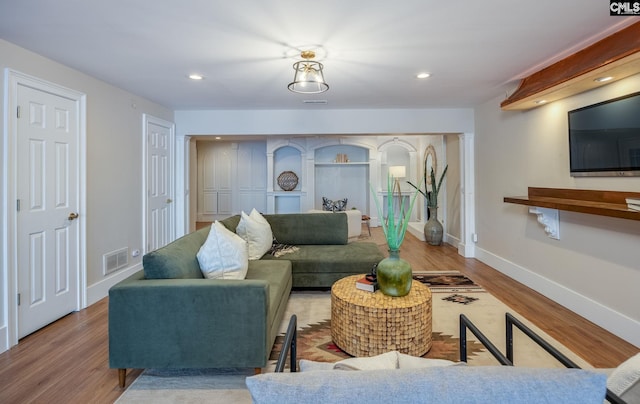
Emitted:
<point x="159" y="210"/>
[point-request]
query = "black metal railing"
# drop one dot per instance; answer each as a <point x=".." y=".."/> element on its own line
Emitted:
<point x="289" y="346"/>
<point x="511" y="321"/>
<point x="466" y="324"/>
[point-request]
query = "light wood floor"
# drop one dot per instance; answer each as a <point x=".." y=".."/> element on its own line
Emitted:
<point x="67" y="361"/>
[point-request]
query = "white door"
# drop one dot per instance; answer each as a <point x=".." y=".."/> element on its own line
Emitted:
<point x="47" y="217"/>
<point x="159" y="174"/>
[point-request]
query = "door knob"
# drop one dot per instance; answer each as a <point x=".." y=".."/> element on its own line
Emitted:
<point x="72" y="216"/>
<point x="169" y="200"/>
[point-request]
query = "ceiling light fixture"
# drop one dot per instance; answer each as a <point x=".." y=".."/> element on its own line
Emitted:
<point x="308" y="77"/>
<point x="196" y="77"/>
<point x="423" y="75"/>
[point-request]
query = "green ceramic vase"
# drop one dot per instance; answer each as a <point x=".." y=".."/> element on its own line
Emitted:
<point x="394" y="275"/>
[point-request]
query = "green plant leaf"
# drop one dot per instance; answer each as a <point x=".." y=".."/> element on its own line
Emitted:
<point x="418" y="189"/>
<point x="394" y="228"/>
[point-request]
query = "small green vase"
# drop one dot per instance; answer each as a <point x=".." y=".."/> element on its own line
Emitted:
<point x="394" y="275"/>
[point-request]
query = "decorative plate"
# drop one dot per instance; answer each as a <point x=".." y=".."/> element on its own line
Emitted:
<point x="288" y="180"/>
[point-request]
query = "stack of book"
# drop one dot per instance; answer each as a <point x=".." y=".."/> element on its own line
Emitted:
<point x="365" y="284"/>
<point x="633" y="204"/>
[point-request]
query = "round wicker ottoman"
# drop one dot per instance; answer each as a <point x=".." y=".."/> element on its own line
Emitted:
<point x="369" y="324"/>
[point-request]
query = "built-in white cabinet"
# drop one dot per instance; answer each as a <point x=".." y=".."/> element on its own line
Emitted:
<point x="214" y="181"/>
<point x="284" y="168"/>
<point x="242" y="175"/>
<point x="342" y="171"/>
<point x="251" y="177"/>
<point x="231" y="178"/>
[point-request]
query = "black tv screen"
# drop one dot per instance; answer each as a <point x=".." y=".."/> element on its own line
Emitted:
<point x="604" y="138"/>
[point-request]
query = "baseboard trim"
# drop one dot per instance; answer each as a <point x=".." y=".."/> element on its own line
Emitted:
<point x="100" y="290"/>
<point x="4" y="339"/>
<point x="417" y="229"/>
<point x="467" y="250"/>
<point x="607" y="318"/>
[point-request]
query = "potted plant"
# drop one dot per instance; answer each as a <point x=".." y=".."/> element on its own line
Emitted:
<point x="394" y="274"/>
<point x="433" y="230"/>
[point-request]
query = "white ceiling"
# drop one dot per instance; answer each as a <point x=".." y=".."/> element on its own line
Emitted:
<point x="475" y="50"/>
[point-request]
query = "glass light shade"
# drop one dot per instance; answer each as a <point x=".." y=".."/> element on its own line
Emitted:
<point x="308" y="78"/>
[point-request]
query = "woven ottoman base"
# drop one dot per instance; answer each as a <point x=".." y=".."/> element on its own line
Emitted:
<point x="369" y="324"/>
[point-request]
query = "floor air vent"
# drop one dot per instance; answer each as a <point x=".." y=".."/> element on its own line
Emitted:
<point x="115" y="260"/>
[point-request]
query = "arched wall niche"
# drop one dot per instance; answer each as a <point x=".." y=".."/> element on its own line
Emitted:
<point x="340" y="168"/>
<point x="398" y="153"/>
<point x="286" y="155"/>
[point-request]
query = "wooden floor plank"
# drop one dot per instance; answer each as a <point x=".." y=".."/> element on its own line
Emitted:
<point x="67" y="361"/>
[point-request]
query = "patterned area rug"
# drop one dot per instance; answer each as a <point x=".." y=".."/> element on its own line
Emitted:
<point x="453" y="294"/>
<point x="314" y="337"/>
<point x="446" y="281"/>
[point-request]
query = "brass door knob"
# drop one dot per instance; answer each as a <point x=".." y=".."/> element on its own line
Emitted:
<point x="72" y="216"/>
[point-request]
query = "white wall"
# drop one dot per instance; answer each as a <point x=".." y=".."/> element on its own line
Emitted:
<point x="314" y="121"/>
<point x="323" y="121"/>
<point x="594" y="268"/>
<point x="114" y="166"/>
<point x="452" y="184"/>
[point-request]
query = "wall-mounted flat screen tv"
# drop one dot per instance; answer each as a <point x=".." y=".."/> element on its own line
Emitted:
<point x="604" y="138"/>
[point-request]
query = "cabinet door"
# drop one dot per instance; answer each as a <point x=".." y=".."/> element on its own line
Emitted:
<point x="216" y="168"/>
<point x="224" y="203"/>
<point x="210" y="202"/>
<point x="222" y="169"/>
<point x="252" y="167"/>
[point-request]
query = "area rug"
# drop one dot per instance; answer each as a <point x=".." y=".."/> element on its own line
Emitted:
<point x="446" y="281"/>
<point x="453" y="294"/>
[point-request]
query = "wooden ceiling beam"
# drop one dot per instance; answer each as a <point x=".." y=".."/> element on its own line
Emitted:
<point x="617" y="55"/>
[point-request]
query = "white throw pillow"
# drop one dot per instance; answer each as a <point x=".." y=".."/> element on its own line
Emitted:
<point x="413" y="362"/>
<point x="387" y="360"/>
<point x="256" y="231"/>
<point x="310" y="366"/>
<point x="390" y="360"/>
<point x="626" y="377"/>
<point x="223" y="255"/>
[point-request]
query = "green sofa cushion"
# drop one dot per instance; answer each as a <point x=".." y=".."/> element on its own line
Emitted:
<point x="322" y="265"/>
<point x="176" y="260"/>
<point x="351" y="258"/>
<point x="278" y="276"/>
<point x="303" y="228"/>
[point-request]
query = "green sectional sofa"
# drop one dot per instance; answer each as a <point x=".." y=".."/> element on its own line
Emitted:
<point x="324" y="254"/>
<point x="169" y="316"/>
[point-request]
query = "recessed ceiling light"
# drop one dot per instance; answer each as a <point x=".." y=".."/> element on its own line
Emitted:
<point x="540" y="102"/>
<point x="603" y="79"/>
<point x="423" y="75"/>
<point x="196" y="76"/>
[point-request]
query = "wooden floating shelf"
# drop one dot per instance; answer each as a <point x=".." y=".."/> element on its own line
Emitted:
<point x="603" y="203"/>
<point x="617" y="55"/>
